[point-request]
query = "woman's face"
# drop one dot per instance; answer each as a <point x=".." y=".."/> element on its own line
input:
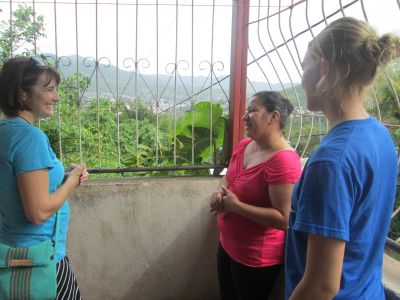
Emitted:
<point x="256" y="119"/>
<point x="42" y="98"/>
<point x="309" y="80"/>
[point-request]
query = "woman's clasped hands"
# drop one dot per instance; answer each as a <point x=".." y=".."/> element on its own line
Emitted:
<point x="223" y="200"/>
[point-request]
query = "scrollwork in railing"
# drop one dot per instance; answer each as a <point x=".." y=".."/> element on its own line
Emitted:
<point x="174" y="67"/>
<point x="173" y="70"/>
<point x="204" y="65"/>
<point x="49" y="59"/>
<point x="87" y="61"/>
<point x="104" y="65"/>
<point x="141" y="63"/>
<point x="215" y="75"/>
<point x="100" y="64"/>
<point x="136" y="64"/>
<point x="64" y="61"/>
<point x="218" y="62"/>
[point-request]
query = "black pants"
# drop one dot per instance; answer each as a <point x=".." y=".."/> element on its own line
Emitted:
<point x="237" y="281"/>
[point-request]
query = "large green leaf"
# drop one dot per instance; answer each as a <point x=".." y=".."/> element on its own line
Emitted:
<point x="206" y="124"/>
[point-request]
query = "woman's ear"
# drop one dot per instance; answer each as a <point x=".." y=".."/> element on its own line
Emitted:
<point x="24" y="95"/>
<point x="276" y="117"/>
<point x="25" y="100"/>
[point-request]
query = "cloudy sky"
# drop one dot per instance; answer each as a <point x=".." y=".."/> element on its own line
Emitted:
<point x="167" y="33"/>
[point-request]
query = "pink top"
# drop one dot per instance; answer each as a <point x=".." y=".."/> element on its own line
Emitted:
<point x="246" y="241"/>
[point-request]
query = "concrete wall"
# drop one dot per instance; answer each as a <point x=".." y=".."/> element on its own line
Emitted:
<point x="154" y="238"/>
<point x="145" y="238"/>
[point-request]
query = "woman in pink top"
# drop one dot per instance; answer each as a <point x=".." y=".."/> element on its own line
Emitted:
<point x="253" y="201"/>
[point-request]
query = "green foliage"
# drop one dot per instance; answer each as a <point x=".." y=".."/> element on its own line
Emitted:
<point x="91" y="129"/>
<point x="72" y="87"/>
<point x="386" y="86"/>
<point x="147" y="143"/>
<point x="394" y="230"/>
<point x="206" y="135"/>
<point x="103" y="133"/>
<point x="21" y="33"/>
<point x="306" y="133"/>
<point x="155" y="145"/>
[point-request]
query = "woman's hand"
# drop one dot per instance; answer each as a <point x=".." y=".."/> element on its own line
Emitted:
<point x="84" y="174"/>
<point x="230" y="201"/>
<point x="75" y="174"/>
<point x="216" y="203"/>
<point x="224" y="201"/>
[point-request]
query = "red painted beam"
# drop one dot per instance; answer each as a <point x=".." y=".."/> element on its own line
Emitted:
<point x="238" y="72"/>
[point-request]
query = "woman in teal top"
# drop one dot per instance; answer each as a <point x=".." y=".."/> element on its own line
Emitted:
<point x="31" y="192"/>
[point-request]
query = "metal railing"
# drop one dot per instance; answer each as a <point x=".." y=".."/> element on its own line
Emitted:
<point x="278" y="35"/>
<point x="135" y="74"/>
<point x="160" y="59"/>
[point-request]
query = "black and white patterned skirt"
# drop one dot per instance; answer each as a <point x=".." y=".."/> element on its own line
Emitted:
<point x="67" y="286"/>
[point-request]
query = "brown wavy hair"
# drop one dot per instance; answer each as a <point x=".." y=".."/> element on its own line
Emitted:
<point x="20" y="74"/>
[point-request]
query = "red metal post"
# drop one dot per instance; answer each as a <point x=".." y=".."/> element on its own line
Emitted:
<point x="238" y="70"/>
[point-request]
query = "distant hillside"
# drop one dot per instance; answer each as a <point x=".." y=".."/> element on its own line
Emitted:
<point x="147" y="84"/>
<point x="300" y="96"/>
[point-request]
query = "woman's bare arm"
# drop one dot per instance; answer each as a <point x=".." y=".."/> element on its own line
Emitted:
<point x="38" y="204"/>
<point x="277" y="216"/>
<point x="323" y="270"/>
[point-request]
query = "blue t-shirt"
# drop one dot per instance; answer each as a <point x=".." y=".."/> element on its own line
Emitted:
<point x="346" y="192"/>
<point x="26" y="148"/>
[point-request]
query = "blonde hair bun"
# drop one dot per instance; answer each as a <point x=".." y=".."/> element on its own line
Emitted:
<point x="388" y="49"/>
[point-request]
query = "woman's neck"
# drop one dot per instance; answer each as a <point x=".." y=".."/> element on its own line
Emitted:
<point x="26" y="116"/>
<point x="344" y="109"/>
<point x="272" y="142"/>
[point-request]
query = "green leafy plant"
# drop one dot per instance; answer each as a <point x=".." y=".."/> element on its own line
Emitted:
<point x="202" y="129"/>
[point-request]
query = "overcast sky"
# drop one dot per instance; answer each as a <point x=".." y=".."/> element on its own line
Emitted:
<point x="83" y="33"/>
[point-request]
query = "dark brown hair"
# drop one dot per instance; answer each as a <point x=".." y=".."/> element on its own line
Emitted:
<point x="20" y="74"/>
<point x="273" y="101"/>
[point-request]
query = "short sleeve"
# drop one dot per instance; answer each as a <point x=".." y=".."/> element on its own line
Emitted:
<point x="284" y="167"/>
<point x="326" y="200"/>
<point x="240" y="148"/>
<point x="32" y="152"/>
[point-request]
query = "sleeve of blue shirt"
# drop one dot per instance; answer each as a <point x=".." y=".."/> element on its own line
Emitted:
<point x="32" y="152"/>
<point x="326" y="200"/>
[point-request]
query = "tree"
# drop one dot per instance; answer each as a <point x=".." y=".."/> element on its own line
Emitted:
<point x="20" y="33"/>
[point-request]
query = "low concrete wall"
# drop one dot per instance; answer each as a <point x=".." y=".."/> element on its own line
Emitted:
<point x="144" y="238"/>
<point x="391" y="277"/>
<point x="153" y="238"/>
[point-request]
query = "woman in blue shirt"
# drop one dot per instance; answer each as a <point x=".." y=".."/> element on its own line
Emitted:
<point x="31" y="192"/>
<point x="341" y="206"/>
